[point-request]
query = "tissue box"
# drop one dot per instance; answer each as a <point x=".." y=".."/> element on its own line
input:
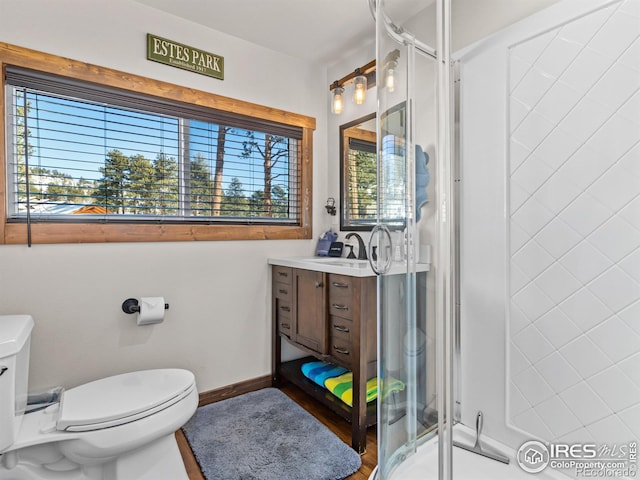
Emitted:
<point x="335" y="250"/>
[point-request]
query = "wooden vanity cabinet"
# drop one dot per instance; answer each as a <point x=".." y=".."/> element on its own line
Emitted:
<point x="303" y="322"/>
<point x="331" y="317"/>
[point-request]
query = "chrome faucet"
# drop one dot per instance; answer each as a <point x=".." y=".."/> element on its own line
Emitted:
<point x="362" y="252"/>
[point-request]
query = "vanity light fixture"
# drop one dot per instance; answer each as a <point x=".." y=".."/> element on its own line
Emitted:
<point x="359" y="87"/>
<point x="337" y="104"/>
<point x="362" y="78"/>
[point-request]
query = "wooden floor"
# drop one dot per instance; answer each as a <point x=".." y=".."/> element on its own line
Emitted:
<point x="336" y="424"/>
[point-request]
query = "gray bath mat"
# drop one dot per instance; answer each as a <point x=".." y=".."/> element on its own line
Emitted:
<point x="264" y="435"/>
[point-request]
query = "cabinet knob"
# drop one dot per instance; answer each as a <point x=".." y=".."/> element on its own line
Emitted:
<point x="318" y="284"/>
<point x="337" y="306"/>
<point x="340" y="328"/>
<point x="285" y="309"/>
<point x="340" y="285"/>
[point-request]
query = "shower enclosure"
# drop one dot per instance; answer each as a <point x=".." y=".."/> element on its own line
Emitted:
<point x="517" y="160"/>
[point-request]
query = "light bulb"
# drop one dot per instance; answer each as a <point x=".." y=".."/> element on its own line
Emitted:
<point x="390" y="64"/>
<point x="390" y="80"/>
<point x="360" y="92"/>
<point x="360" y="89"/>
<point x="337" y="105"/>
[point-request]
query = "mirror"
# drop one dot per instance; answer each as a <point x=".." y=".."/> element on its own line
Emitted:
<point x="359" y="180"/>
<point x="358" y="174"/>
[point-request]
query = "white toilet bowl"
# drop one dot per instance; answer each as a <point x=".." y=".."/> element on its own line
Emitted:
<point x="116" y="428"/>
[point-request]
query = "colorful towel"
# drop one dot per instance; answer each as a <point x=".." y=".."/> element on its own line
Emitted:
<point x="320" y="371"/>
<point x="394" y="385"/>
<point x="342" y="387"/>
<point x="339" y="381"/>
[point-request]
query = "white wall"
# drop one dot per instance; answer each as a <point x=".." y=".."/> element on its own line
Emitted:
<point x="476" y="19"/>
<point x="218" y="324"/>
<point x="550" y="231"/>
<point x="574" y="339"/>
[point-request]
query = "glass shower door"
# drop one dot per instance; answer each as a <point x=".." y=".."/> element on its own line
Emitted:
<point x="404" y="414"/>
<point x="412" y="319"/>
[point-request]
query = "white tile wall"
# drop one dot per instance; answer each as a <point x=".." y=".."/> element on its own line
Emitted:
<point x="574" y="194"/>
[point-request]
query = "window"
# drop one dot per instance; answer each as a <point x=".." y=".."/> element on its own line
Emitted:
<point x="148" y="167"/>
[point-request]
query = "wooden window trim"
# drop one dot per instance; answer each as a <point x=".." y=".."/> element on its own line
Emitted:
<point x="49" y="233"/>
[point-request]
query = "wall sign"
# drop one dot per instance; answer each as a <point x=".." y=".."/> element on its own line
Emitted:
<point x="182" y="56"/>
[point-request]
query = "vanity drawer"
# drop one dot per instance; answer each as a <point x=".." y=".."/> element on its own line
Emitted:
<point x="341" y="351"/>
<point x="341" y="296"/>
<point x="284" y="326"/>
<point x="341" y="307"/>
<point x="340" y="286"/>
<point x="283" y="274"/>
<point x="282" y="291"/>
<point x="340" y="340"/>
<point x="283" y="316"/>
<point x="340" y="329"/>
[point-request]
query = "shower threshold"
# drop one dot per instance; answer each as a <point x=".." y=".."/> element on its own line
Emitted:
<point x="423" y="465"/>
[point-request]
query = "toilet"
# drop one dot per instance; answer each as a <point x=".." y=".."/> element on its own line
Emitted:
<point x="116" y="428"/>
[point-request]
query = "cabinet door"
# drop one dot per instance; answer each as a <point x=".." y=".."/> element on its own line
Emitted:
<point x="310" y="301"/>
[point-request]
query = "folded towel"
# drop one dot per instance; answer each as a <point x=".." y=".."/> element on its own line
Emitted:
<point x="342" y="387"/>
<point x="393" y="385"/>
<point x="320" y="371"/>
<point x="339" y="381"/>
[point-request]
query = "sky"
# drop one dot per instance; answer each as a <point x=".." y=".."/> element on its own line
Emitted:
<point x="74" y="137"/>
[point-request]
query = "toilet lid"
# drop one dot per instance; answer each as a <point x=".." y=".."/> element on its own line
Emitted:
<point x="122" y="398"/>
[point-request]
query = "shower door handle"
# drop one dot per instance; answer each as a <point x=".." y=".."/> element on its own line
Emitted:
<point x="382" y="264"/>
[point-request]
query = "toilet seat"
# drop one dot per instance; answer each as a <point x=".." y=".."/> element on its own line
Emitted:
<point x="120" y="399"/>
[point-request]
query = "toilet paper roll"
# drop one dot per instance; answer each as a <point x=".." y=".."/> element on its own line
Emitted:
<point x="151" y="310"/>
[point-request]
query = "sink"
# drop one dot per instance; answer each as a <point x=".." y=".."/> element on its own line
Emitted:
<point x="341" y="262"/>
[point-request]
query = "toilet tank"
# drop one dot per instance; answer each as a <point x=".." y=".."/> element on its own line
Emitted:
<point x="15" y="340"/>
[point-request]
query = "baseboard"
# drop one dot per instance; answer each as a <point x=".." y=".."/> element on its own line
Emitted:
<point x="234" y="390"/>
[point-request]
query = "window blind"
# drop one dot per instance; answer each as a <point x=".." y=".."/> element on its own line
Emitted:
<point x="82" y="151"/>
<point x="362" y="185"/>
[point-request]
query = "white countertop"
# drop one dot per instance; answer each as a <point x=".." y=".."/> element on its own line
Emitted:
<point x="342" y="266"/>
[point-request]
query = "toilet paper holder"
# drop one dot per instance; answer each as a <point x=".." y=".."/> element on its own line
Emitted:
<point x="131" y="305"/>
